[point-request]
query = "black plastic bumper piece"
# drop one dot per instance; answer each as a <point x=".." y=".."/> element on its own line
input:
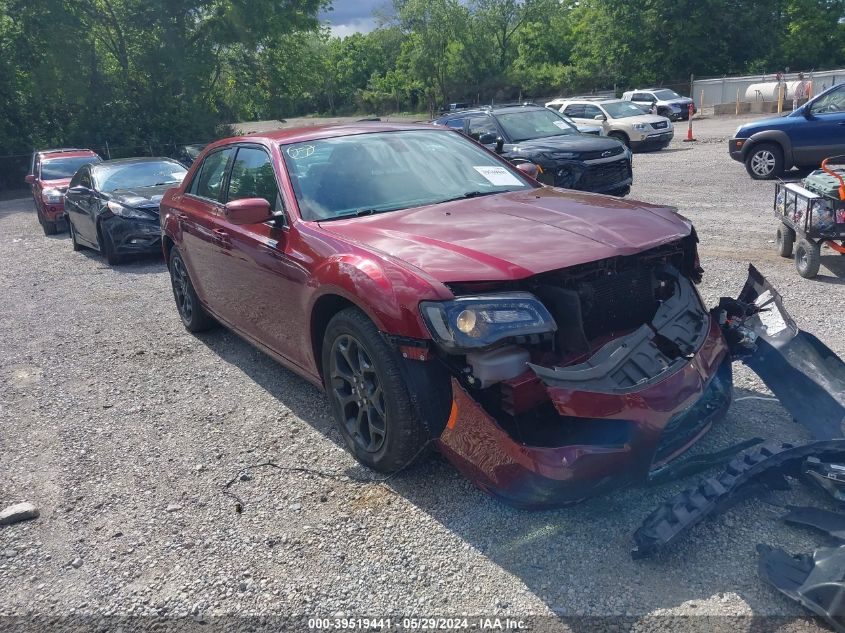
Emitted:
<point x="674" y="517"/>
<point x="823" y="520"/>
<point x="827" y="477"/>
<point x="816" y="582"/>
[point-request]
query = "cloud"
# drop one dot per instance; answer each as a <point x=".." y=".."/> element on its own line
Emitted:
<point x="354" y="16"/>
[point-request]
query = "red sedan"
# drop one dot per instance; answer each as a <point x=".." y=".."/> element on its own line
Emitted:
<point x="50" y="174"/>
<point x="550" y="343"/>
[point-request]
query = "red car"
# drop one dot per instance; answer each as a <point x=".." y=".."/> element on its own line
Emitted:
<point x="49" y="176"/>
<point x="550" y="343"/>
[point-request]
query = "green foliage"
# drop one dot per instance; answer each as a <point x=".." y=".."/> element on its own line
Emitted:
<point x="133" y="72"/>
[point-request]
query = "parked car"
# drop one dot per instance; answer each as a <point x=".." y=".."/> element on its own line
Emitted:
<point x="50" y="172"/>
<point x="595" y="130"/>
<point x="662" y="101"/>
<point x="187" y="154"/>
<point x="442" y="298"/>
<point x="538" y="135"/>
<point x="621" y="120"/>
<point x="802" y="138"/>
<point x="112" y="206"/>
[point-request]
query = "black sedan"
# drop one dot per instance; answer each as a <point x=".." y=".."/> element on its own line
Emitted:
<point x="113" y="206"/>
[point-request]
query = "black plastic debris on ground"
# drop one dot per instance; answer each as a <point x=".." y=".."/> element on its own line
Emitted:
<point x="816" y="582"/>
<point x="828" y="477"/>
<point x="833" y="523"/>
<point x="742" y="477"/>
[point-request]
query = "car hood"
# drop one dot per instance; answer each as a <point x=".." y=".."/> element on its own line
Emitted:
<point x="642" y="118"/>
<point x="61" y="184"/>
<point x="783" y="122"/>
<point x="569" y="143"/>
<point x="514" y="235"/>
<point x="140" y="197"/>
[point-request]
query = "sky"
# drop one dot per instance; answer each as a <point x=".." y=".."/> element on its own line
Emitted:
<point x="354" y="16"/>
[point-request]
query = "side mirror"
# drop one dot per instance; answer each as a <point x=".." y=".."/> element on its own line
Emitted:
<point x="529" y="169"/>
<point x="500" y="144"/>
<point x="600" y="117"/>
<point x="30" y="179"/>
<point x="807" y="111"/>
<point x="248" y="211"/>
<point x="488" y="138"/>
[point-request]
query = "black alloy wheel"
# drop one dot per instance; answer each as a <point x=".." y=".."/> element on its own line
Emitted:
<point x="193" y="314"/>
<point x="356" y="385"/>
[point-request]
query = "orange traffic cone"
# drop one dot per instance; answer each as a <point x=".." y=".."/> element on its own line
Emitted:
<point x="690" y="138"/>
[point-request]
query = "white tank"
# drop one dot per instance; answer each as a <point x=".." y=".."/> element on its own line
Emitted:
<point x="769" y="91"/>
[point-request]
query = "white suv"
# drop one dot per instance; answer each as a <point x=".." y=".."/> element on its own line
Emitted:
<point x="620" y="119"/>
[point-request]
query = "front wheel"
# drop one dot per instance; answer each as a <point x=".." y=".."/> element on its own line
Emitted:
<point x="807" y="258"/>
<point x="194" y="316"/>
<point x="764" y="162"/>
<point x="370" y="401"/>
<point x="784" y="240"/>
<point x="621" y="137"/>
<point x="107" y="247"/>
<point x="73" y="243"/>
<point x="49" y="228"/>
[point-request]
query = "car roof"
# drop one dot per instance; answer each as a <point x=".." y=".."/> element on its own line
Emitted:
<point x="137" y="159"/>
<point x="48" y="154"/>
<point x="317" y="132"/>
<point x="505" y="108"/>
<point x="593" y="100"/>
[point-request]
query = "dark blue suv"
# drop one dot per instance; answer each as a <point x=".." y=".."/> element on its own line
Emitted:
<point x="802" y="138"/>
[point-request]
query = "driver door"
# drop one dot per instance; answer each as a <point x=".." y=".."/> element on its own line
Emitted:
<point x="79" y="203"/>
<point x="822" y="134"/>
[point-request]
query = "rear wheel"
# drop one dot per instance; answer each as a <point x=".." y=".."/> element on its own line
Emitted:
<point x="370" y="400"/>
<point x="807" y="258"/>
<point x="49" y="228"/>
<point x="194" y="316"/>
<point x="764" y="161"/>
<point x="784" y="240"/>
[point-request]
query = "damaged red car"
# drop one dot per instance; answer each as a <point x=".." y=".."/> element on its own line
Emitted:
<point x="550" y="343"/>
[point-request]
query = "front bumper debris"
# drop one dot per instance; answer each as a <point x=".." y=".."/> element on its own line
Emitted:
<point x="806" y="376"/>
<point x="675" y="516"/>
<point x="134" y="236"/>
<point x="817" y="581"/>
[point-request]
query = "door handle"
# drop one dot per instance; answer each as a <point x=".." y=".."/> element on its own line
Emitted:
<point x="221" y="237"/>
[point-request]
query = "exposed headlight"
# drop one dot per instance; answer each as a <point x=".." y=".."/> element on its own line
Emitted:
<point x="52" y="196"/>
<point x="128" y="212"/>
<point x="641" y="127"/>
<point x="471" y="323"/>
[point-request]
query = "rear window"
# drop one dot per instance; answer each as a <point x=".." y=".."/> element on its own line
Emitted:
<point x="61" y="168"/>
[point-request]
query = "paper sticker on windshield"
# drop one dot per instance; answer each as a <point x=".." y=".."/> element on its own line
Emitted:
<point x="300" y="151"/>
<point x="498" y="176"/>
<point x="561" y="124"/>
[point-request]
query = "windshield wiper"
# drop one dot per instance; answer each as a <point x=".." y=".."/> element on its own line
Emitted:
<point x="359" y="213"/>
<point x="469" y="194"/>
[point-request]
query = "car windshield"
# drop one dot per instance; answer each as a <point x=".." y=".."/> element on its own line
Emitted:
<point x="357" y="175"/>
<point x="148" y="173"/>
<point x="666" y="94"/>
<point x="530" y="124"/>
<point x="621" y="109"/>
<point x="60" y="168"/>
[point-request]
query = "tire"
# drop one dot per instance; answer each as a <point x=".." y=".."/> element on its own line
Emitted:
<point x="784" y="240"/>
<point x="50" y="228"/>
<point x="621" y="136"/>
<point x="76" y="246"/>
<point x="359" y="366"/>
<point x="764" y="161"/>
<point x="107" y="247"/>
<point x="807" y="258"/>
<point x="193" y="314"/>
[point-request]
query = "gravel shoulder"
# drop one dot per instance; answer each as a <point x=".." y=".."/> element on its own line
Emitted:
<point x="123" y="429"/>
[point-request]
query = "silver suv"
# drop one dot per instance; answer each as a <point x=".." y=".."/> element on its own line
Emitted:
<point x="662" y="101"/>
<point x="620" y="119"/>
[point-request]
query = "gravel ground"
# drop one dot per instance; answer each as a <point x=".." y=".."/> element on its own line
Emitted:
<point x="123" y="429"/>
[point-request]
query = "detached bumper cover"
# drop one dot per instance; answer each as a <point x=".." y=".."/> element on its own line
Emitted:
<point x="679" y="408"/>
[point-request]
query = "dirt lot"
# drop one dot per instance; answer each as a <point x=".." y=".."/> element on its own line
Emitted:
<point x="123" y="429"/>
